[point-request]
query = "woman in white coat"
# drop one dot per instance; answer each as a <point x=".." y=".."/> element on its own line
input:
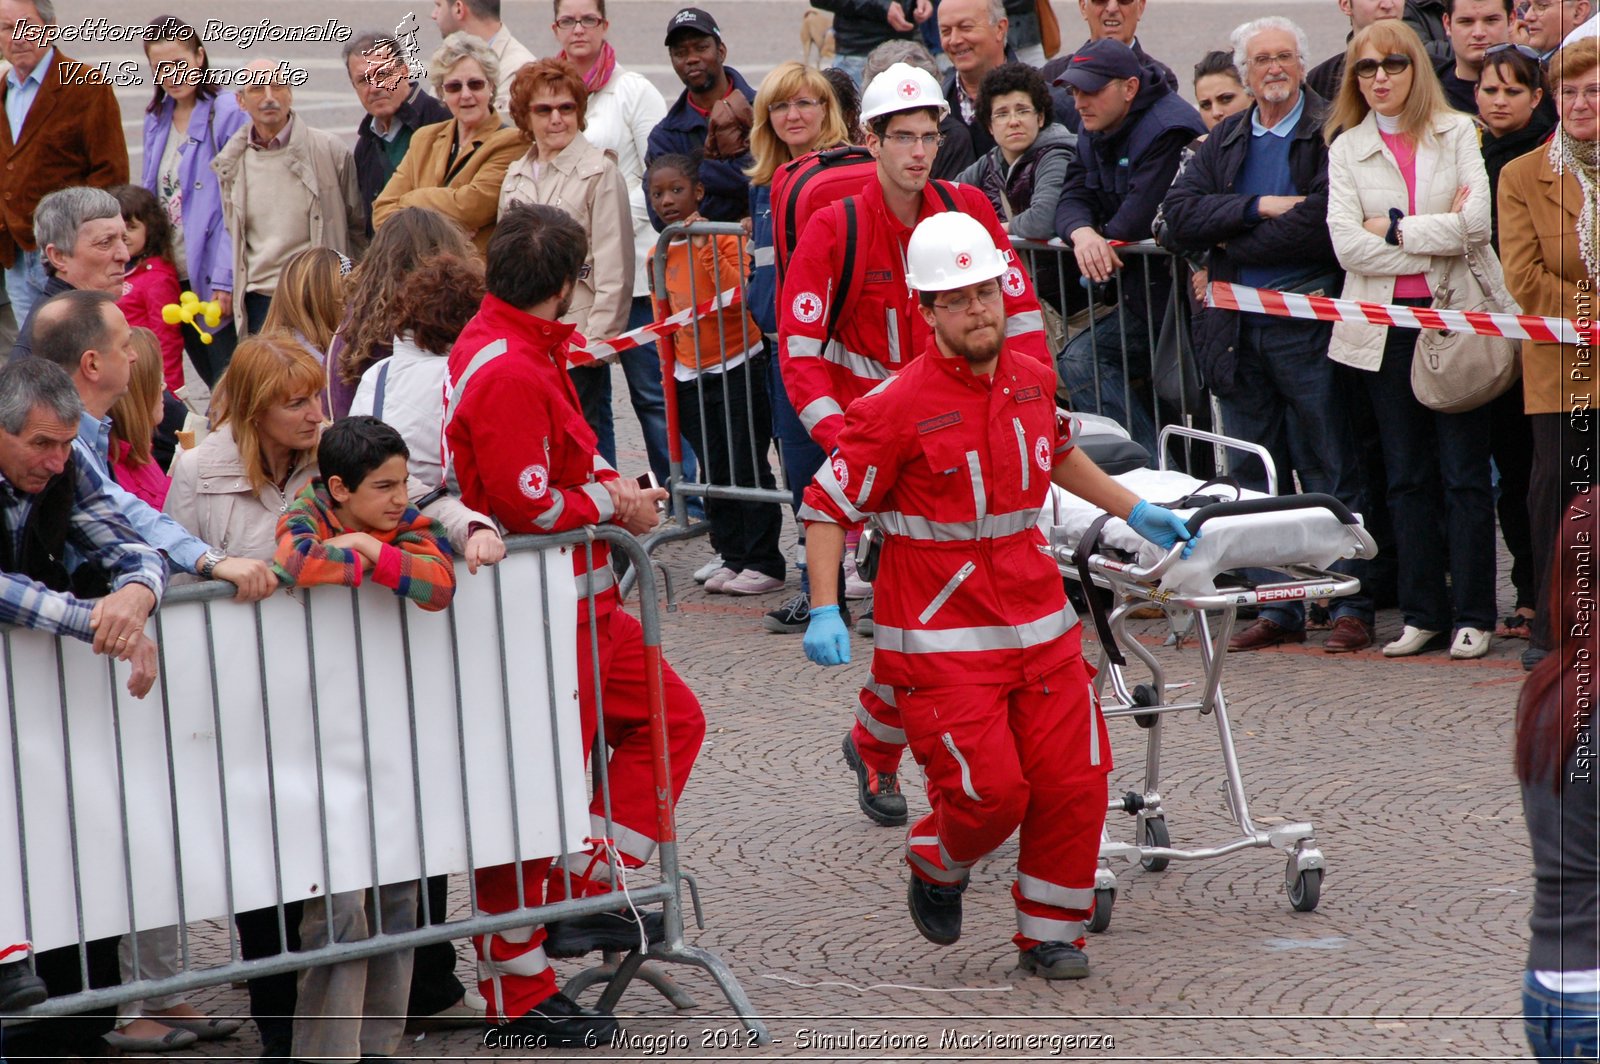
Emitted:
<point x="1408" y="198"/>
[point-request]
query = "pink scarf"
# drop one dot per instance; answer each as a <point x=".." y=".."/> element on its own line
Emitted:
<point x="605" y="65"/>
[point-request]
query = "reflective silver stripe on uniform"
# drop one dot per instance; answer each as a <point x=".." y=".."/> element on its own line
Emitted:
<point x="1094" y="726"/>
<point x="1047" y="930"/>
<point x="892" y="323"/>
<point x="884" y="693"/>
<point x="602" y="501"/>
<point x="516" y="935"/>
<point x="596" y="581"/>
<point x="547" y="520"/>
<point x="866" y="485"/>
<point x="966" y="769"/>
<point x="818" y="409"/>
<point x="486" y="355"/>
<point x="1026" y="322"/>
<point x="952" y="876"/>
<point x="603" y="466"/>
<point x="980" y="498"/>
<point x="966" y="570"/>
<point x="629" y="842"/>
<point x="994" y="526"/>
<point x="766" y="256"/>
<point x="830" y="484"/>
<point x="877" y="728"/>
<point x="1047" y="893"/>
<point x="1022" y="451"/>
<point x="804" y="347"/>
<point x="532" y="962"/>
<point x="979" y="638"/>
<point x="862" y="366"/>
<point x="811" y="513"/>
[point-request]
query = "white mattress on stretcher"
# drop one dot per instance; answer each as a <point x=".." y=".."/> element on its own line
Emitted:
<point x="1311" y="536"/>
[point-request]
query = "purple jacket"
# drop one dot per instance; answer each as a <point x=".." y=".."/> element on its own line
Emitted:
<point x="207" y="247"/>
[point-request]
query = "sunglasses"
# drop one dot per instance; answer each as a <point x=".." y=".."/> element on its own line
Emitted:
<point x="1367" y="69"/>
<point x="475" y="84"/>
<point x="545" y="110"/>
<point x="1521" y="49"/>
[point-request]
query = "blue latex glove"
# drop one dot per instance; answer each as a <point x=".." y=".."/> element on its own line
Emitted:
<point x="827" y="642"/>
<point x="1160" y="526"/>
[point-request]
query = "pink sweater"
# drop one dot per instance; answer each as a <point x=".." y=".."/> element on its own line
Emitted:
<point x="1412" y="285"/>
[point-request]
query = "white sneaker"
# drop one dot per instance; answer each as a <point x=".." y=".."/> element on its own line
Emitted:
<point x="751" y="582"/>
<point x="702" y="574"/>
<point x="1411" y="641"/>
<point x="1470" y="643"/>
<point x="855" y="588"/>
<point x="719" y="579"/>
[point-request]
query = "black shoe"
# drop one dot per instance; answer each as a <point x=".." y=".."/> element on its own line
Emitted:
<point x="935" y="909"/>
<point x="1055" y="960"/>
<point x="878" y="793"/>
<point x="555" y="1021"/>
<point x="611" y="932"/>
<point x="864" y="625"/>
<point x="20" y="988"/>
<point x="1532" y="656"/>
<point x="790" y="618"/>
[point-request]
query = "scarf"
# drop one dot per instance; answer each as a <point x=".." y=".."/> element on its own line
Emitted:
<point x="605" y="65"/>
<point x="1582" y="160"/>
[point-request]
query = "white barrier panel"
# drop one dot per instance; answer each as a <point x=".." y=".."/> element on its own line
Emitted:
<point x="332" y="650"/>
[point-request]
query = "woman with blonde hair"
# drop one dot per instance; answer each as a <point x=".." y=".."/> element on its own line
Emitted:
<point x="134" y="418"/>
<point x="309" y="301"/>
<point x="1408" y="203"/>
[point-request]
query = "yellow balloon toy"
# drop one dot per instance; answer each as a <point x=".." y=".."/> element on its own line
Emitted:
<point x="188" y="308"/>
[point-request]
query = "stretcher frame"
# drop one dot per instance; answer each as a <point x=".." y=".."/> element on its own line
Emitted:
<point x="1135" y="586"/>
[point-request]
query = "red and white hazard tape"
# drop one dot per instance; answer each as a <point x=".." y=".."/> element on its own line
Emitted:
<point x="584" y="353"/>
<point x="1224" y="296"/>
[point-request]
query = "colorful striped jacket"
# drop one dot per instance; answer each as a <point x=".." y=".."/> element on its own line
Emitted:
<point x="415" y="560"/>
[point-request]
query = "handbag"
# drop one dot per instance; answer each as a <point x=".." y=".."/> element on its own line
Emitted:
<point x="1453" y="372"/>
<point x="1049" y="28"/>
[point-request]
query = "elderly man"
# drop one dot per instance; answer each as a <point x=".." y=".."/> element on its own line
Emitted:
<point x="1474" y="27"/>
<point x="481" y="18"/>
<point x="286" y="186"/>
<point x="973" y="35"/>
<point x="82" y="236"/>
<point x="1107" y="19"/>
<point x="396" y="105"/>
<point x="1256" y="195"/>
<point x="61" y="127"/>
<point x="1549" y="23"/>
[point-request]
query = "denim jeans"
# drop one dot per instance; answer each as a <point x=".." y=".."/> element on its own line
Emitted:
<point x="642" y="367"/>
<point x="25" y="283"/>
<point x="593" y="385"/>
<point x="799" y="453"/>
<point x="1285" y="398"/>
<point x="854" y="65"/>
<point x="256" y="306"/>
<point x="1439" y="497"/>
<point x="1117" y="350"/>
<point x="1560" y="1027"/>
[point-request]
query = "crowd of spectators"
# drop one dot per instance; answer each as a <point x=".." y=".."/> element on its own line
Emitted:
<point x="1444" y="155"/>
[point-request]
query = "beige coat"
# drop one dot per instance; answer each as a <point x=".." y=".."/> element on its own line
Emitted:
<point x="1539" y="243"/>
<point x="584" y="181"/>
<point x="328" y="169"/>
<point x="1364" y="181"/>
<point x="473" y="189"/>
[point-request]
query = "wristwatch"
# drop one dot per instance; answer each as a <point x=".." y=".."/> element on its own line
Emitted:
<point x="1393" y="235"/>
<point x="209" y="562"/>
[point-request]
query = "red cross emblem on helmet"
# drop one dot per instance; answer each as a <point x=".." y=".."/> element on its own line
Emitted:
<point x="909" y="89"/>
<point x="964" y="260"/>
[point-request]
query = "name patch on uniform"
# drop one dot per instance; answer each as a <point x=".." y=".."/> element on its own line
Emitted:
<point x="1024" y="394"/>
<point x="879" y="276"/>
<point x="943" y="421"/>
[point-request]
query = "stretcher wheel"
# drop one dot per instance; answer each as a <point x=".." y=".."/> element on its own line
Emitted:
<point x="1306" y="890"/>
<point x="1103" y="901"/>
<point x="1155" y="834"/>
<point x="1145" y="695"/>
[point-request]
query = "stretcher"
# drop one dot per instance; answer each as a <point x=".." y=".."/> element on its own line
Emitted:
<point x="1296" y="536"/>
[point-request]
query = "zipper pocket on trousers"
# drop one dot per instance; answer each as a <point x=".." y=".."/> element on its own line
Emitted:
<point x="966" y="570"/>
<point x="1094" y="726"/>
<point x="966" y="770"/>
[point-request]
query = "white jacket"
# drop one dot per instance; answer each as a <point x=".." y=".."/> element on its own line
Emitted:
<point x="620" y="117"/>
<point x="1364" y="181"/>
<point x="413" y="403"/>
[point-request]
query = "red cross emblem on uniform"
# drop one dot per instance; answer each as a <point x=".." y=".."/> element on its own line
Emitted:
<point x="909" y="89"/>
<point x="964" y="260"/>
<point x="808" y="307"/>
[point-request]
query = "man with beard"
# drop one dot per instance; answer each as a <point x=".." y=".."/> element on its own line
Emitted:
<point x="955" y="455"/>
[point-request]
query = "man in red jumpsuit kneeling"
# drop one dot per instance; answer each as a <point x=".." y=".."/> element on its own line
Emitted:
<point x="518" y="447"/>
<point x="955" y="456"/>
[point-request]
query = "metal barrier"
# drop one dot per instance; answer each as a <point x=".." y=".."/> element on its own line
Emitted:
<point x="301" y="739"/>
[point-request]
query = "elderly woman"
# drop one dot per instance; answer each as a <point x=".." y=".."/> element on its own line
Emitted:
<point x="456" y="167"/>
<point x="1551" y="250"/>
<point x="1408" y="201"/>
<point x="562" y="169"/>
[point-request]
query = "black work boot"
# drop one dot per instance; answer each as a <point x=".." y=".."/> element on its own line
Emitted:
<point x="556" y="1021"/>
<point x="19" y="987"/>
<point x="1055" y="960"/>
<point x="613" y="932"/>
<point x="877" y="792"/>
<point x="936" y="909"/>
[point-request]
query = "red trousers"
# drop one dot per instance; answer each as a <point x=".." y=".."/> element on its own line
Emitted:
<point x="1002" y="756"/>
<point x="877" y="732"/>
<point x="513" y="972"/>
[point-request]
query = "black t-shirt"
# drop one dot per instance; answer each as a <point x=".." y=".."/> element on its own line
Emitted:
<point x="1462" y="94"/>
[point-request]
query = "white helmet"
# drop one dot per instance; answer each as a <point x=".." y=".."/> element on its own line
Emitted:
<point x="902" y="87"/>
<point x="952" y="250"/>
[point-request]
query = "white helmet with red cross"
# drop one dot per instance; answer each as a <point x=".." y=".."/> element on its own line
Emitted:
<point x="902" y="87"/>
<point x="952" y="250"/>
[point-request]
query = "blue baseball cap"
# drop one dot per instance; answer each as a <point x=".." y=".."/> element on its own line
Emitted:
<point x="1099" y="62"/>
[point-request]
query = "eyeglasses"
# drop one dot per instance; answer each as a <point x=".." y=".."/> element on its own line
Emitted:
<point x="589" y="22"/>
<point x="1281" y="59"/>
<point x="1367" y="69"/>
<point x="1568" y="95"/>
<point x="472" y="84"/>
<point x="989" y="293"/>
<point x="1521" y="49"/>
<point x="1541" y="8"/>
<point x="543" y="110"/>
<point x="911" y="140"/>
<point x="802" y="104"/>
<point x="1021" y="114"/>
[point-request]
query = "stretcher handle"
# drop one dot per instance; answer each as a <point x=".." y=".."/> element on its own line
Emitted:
<point x="1272" y="504"/>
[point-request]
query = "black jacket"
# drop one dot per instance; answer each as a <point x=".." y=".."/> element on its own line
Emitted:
<point x="1061" y="97"/>
<point x="53" y="286"/>
<point x="982" y="141"/>
<point x="859" y="26"/>
<point x="956" y="153"/>
<point x="1497" y="151"/>
<point x="1202" y="211"/>
<point x="682" y="131"/>
<point x="44" y="542"/>
<point x="372" y="171"/>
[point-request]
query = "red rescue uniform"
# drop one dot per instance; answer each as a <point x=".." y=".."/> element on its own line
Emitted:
<point x="517" y="445"/>
<point x="973" y="630"/>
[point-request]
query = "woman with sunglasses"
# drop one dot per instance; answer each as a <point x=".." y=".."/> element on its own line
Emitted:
<point x="1408" y="199"/>
<point x="456" y="167"/>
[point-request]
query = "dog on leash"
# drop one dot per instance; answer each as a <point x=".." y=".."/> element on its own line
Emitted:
<point x="816" y="33"/>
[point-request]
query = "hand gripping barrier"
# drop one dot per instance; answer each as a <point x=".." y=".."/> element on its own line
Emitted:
<point x="311" y="745"/>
